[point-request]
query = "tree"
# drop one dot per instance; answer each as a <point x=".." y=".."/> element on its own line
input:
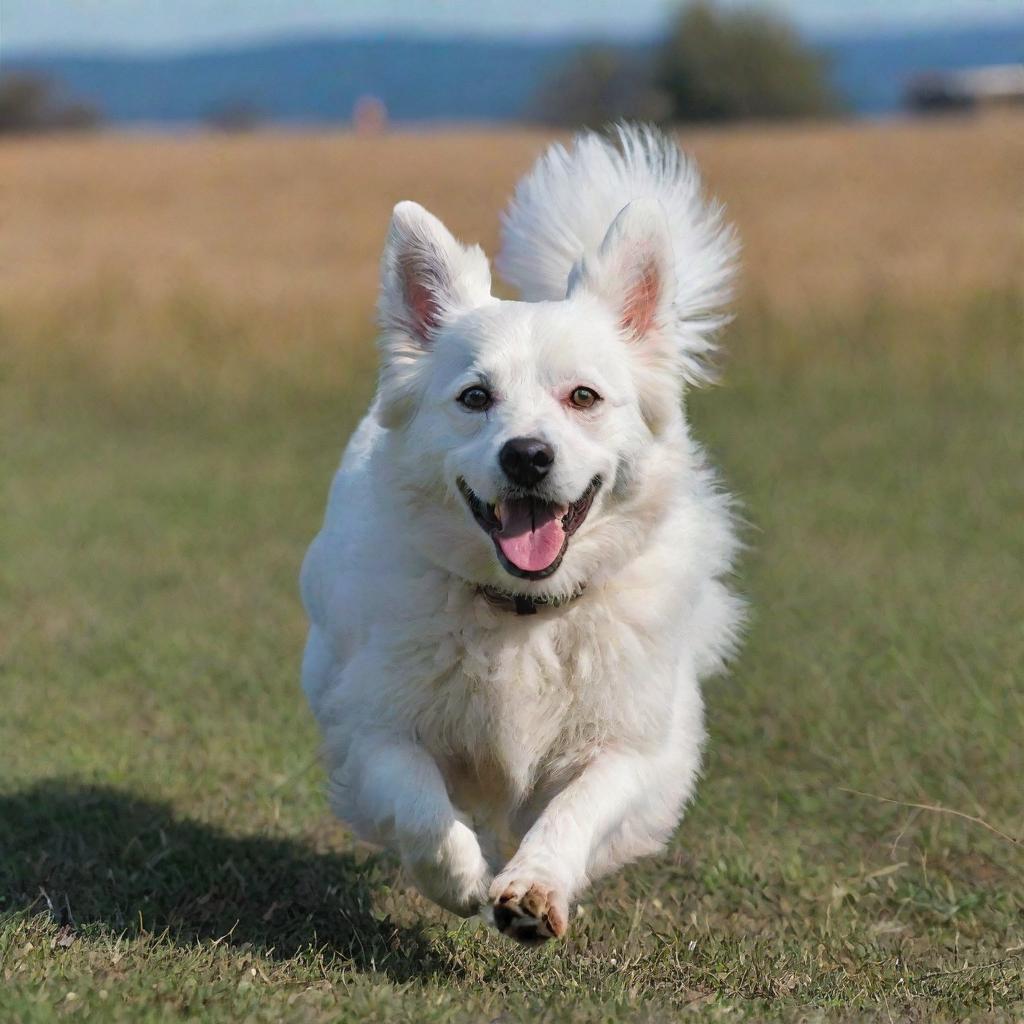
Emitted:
<point x="713" y="65"/>
<point x="31" y="103"/>
<point x="600" y="84"/>
<point x="721" y="65"/>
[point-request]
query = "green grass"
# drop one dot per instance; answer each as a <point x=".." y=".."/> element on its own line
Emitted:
<point x="165" y="849"/>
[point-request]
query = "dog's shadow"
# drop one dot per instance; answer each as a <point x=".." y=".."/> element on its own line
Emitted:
<point x="92" y="855"/>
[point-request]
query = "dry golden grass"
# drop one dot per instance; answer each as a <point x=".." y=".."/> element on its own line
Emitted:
<point x="211" y="260"/>
<point x="292" y="223"/>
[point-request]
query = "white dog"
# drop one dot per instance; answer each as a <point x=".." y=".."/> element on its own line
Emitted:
<point x="519" y="580"/>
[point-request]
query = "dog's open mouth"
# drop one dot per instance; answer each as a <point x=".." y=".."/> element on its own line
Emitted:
<point x="530" y="535"/>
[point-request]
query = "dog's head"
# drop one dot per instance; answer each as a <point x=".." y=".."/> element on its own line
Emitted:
<point x="525" y="435"/>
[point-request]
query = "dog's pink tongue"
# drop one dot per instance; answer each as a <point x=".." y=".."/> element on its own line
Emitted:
<point x="531" y="535"/>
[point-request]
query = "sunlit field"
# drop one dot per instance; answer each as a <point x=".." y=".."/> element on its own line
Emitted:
<point x="185" y="342"/>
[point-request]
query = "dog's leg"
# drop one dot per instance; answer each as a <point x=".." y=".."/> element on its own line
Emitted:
<point x="394" y="789"/>
<point x="622" y="806"/>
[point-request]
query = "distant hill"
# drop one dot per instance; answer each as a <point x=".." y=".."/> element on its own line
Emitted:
<point x="313" y="80"/>
<point x="430" y="79"/>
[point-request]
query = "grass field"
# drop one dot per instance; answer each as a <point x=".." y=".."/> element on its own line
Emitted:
<point x="184" y="345"/>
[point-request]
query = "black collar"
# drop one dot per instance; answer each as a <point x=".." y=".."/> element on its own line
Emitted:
<point x="523" y="604"/>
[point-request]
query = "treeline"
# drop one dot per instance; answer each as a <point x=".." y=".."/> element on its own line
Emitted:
<point x="714" y="64"/>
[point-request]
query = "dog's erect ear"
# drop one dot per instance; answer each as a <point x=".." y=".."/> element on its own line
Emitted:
<point x="632" y="270"/>
<point x="426" y="278"/>
<point x="633" y="273"/>
<point x="426" y="275"/>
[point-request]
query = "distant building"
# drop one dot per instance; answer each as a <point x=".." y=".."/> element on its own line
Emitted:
<point x="970" y="89"/>
<point x="369" y="116"/>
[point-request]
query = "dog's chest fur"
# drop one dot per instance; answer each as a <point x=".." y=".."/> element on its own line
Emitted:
<point x="513" y="702"/>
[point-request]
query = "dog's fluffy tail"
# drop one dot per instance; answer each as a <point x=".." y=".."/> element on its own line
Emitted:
<point x="563" y="207"/>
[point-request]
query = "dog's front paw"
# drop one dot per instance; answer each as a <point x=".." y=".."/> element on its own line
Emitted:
<point x="451" y="870"/>
<point x="528" y="911"/>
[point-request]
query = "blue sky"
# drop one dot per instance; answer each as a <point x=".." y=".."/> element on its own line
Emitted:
<point x="173" y="24"/>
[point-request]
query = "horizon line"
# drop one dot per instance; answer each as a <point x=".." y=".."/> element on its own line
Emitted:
<point x="870" y="28"/>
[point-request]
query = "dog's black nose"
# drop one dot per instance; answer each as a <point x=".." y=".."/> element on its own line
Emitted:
<point x="526" y="460"/>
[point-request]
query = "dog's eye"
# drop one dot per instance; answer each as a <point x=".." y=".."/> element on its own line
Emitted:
<point x="476" y="398"/>
<point x="584" y="398"/>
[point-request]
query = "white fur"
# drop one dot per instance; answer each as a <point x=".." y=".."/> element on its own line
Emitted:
<point x="504" y="755"/>
<point x="562" y="209"/>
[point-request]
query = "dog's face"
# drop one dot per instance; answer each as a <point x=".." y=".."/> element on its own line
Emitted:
<point x="522" y="431"/>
